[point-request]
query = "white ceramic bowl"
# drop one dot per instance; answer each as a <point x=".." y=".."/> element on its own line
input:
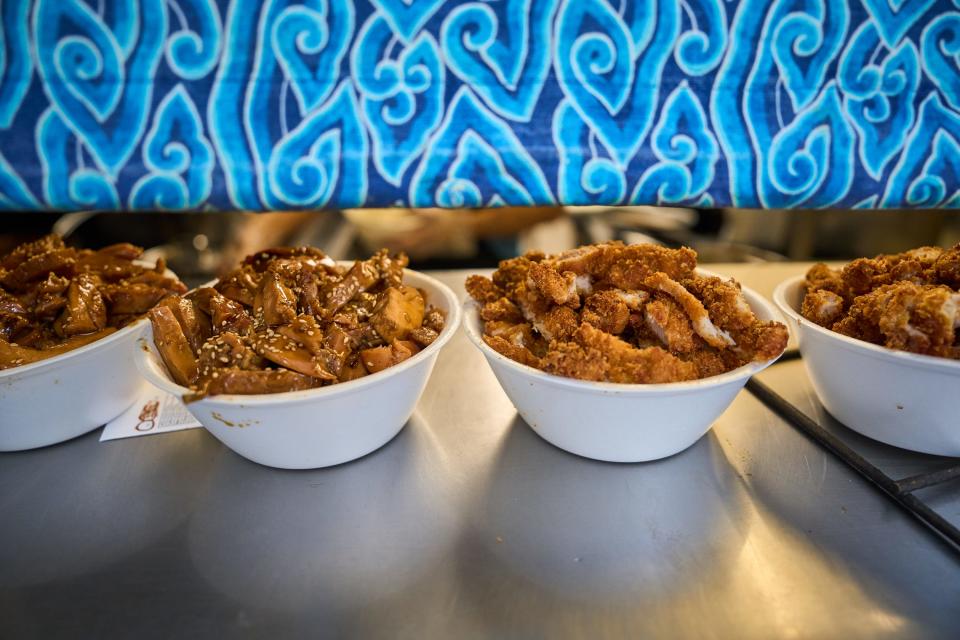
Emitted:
<point x="316" y="427"/>
<point x="903" y="399"/>
<point x="617" y="422"/>
<point x="70" y="394"/>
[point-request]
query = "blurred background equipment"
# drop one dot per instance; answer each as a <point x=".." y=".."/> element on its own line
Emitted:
<point x="200" y="246"/>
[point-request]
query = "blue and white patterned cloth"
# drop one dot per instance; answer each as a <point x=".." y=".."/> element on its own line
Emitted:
<point x="277" y="104"/>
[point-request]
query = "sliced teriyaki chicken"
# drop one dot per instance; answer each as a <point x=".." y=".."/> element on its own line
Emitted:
<point x="85" y="311"/>
<point x="173" y="346"/>
<point x="291" y="319"/>
<point x="55" y="298"/>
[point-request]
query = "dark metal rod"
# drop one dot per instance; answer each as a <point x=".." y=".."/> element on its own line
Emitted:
<point x="817" y="433"/>
<point x="923" y="480"/>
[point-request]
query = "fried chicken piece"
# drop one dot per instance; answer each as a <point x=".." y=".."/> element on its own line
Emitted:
<point x="822" y="277"/>
<point x="596" y="355"/>
<point x="865" y="274"/>
<point x="532" y="305"/>
<point x="513" y="273"/>
<point x="501" y="309"/>
<point x="483" y="290"/>
<point x="926" y="256"/>
<point x="635" y="263"/>
<point x="625" y="266"/>
<point x="823" y="307"/>
<point x="173" y="346"/>
<point x="556" y="287"/>
<point x="606" y="311"/>
<point x="668" y="322"/>
<point x="341" y="343"/>
<point x="558" y="323"/>
<point x="916" y="318"/>
<point x="754" y="340"/>
<point x="728" y="307"/>
<point x="515" y="352"/>
<point x="592" y="261"/>
<point x="520" y="334"/>
<point x="712" y="362"/>
<point x="859" y="275"/>
<point x="694" y="309"/>
<point x="946" y="269"/>
<point x="761" y="341"/>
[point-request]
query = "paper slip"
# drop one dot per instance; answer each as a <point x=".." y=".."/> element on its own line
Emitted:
<point x="153" y="412"/>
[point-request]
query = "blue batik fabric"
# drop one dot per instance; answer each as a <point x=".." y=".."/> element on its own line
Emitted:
<point x="195" y="104"/>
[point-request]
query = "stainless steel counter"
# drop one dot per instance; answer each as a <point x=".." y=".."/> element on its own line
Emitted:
<point x="468" y="525"/>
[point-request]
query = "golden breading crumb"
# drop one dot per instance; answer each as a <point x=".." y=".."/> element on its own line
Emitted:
<point x="501" y="309"/>
<point x="606" y="311"/>
<point x="906" y="316"/>
<point x="823" y="307"/>
<point x="483" y="289"/>
<point x="667" y="321"/>
<point x="514" y="352"/>
<point x="601" y="356"/>
<point x="946" y="269"/>
<point x="558" y="323"/>
<point x="559" y="288"/>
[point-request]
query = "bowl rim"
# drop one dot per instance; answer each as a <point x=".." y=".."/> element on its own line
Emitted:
<point x="863" y="347"/>
<point x="164" y="383"/>
<point x="471" y="328"/>
<point x="40" y="365"/>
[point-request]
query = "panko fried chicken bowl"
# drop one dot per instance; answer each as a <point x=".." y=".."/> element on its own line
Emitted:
<point x="315" y="388"/>
<point x="881" y="356"/>
<point x="621" y="353"/>
<point x="68" y="321"/>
